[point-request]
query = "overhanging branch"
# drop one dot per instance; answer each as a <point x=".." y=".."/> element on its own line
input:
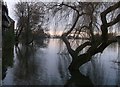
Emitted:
<point x="73" y="26"/>
<point x="116" y="20"/>
<point x="111" y="8"/>
<point x="70" y="50"/>
<point x="83" y="58"/>
<point x="72" y="7"/>
<point x="82" y="46"/>
<point x="105" y="25"/>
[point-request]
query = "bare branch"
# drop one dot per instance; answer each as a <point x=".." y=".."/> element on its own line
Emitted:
<point x="105" y="25"/>
<point x="70" y="7"/>
<point x="111" y="8"/>
<point x="83" y="58"/>
<point x="76" y="20"/>
<point x="116" y="20"/>
<point x="70" y="50"/>
<point x="82" y="46"/>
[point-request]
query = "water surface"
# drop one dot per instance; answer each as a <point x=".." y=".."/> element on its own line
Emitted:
<point x="47" y="64"/>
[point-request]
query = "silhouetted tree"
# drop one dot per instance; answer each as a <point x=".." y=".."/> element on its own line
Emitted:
<point x="85" y="18"/>
<point x="29" y="15"/>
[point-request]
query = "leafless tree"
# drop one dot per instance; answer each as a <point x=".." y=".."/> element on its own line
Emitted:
<point x="29" y="15"/>
<point x="85" y="18"/>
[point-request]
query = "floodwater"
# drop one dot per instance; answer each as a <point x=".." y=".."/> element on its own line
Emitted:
<point x="47" y="64"/>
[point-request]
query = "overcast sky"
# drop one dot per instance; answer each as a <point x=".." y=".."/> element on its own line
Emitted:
<point x="11" y="3"/>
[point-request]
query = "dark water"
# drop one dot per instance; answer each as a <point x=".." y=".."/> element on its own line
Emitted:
<point x="46" y="64"/>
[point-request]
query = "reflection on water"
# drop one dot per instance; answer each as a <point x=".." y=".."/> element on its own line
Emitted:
<point x="118" y="60"/>
<point x="46" y="63"/>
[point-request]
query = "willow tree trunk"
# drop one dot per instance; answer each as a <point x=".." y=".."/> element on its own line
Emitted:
<point x="95" y="47"/>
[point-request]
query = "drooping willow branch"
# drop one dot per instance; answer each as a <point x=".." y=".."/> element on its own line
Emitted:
<point x="99" y="48"/>
<point x="96" y="47"/>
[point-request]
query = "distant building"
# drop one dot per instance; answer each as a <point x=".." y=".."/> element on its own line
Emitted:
<point x="0" y="25"/>
<point x="7" y="22"/>
<point x="0" y="42"/>
<point x="7" y="40"/>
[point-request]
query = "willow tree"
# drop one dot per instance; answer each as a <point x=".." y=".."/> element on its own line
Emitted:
<point x="86" y="17"/>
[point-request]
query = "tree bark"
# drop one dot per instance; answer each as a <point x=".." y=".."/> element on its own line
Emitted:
<point x="78" y="60"/>
<point x="96" y="47"/>
<point x="105" y="25"/>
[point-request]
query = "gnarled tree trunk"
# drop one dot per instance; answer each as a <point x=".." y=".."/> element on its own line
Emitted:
<point x="95" y="47"/>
